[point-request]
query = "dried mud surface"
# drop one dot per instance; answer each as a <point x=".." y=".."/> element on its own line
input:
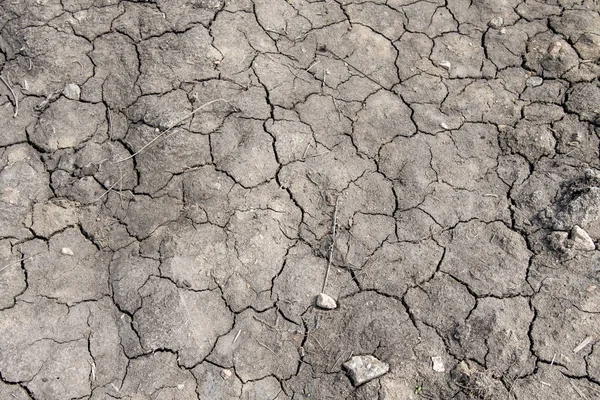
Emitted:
<point x="176" y="176"/>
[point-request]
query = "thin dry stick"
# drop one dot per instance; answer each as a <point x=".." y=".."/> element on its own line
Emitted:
<point x="331" y="248"/>
<point x="109" y="118"/>
<point x="163" y="133"/>
<point x="579" y="392"/>
<point x="307" y="147"/>
<point x="237" y="336"/>
<point x="585" y="342"/>
<point x="312" y="65"/>
<point x="264" y="322"/>
<point x="110" y="188"/>
<point x="14" y="96"/>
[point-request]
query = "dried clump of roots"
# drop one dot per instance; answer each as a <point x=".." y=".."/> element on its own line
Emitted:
<point x="475" y="382"/>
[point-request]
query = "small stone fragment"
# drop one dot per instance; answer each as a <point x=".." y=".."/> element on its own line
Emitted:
<point x="226" y="374"/>
<point x="438" y="364"/>
<point x="362" y="369"/>
<point x="325" y="301"/>
<point x="554" y="48"/>
<point x="444" y="125"/>
<point x="65" y="251"/>
<point x="590" y="173"/>
<point x="72" y="91"/>
<point x="445" y="64"/>
<point x="496" y="23"/>
<point x="581" y="239"/>
<point x="534" y="81"/>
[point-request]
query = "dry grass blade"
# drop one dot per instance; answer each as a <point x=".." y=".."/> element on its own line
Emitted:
<point x="18" y="262"/>
<point x="579" y="392"/>
<point x="110" y="188"/>
<point x="332" y="247"/>
<point x="16" y="112"/>
<point x="163" y="133"/>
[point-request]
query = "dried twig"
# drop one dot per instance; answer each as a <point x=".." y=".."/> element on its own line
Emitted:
<point x="264" y="322"/>
<point x="237" y="336"/>
<point x="579" y="392"/>
<point x="332" y="247"/>
<point x="109" y="118"/>
<point x="336" y="361"/>
<point x="307" y="147"/>
<point x="584" y="343"/>
<point x="312" y="65"/>
<point x="163" y="133"/>
<point x="16" y="112"/>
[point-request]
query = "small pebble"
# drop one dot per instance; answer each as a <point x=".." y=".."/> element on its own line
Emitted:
<point x="534" y="81"/>
<point x="445" y="64"/>
<point x="66" y="251"/>
<point x="226" y="374"/>
<point x="444" y="125"/>
<point x="325" y="301"/>
<point x="438" y="364"/>
<point x="72" y="91"/>
<point x="496" y="23"/>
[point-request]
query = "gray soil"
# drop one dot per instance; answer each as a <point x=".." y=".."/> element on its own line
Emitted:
<point x="180" y="180"/>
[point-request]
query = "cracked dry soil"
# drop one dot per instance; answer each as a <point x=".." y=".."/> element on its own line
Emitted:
<point x="176" y="176"/>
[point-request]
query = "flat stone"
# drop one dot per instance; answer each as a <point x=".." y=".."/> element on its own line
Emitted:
<point x="534" y="81"/>
<point x="325" y="301"/>
<point x="438" y="364"/>
<point x="66" y="251"/>
<point x="362" y="369"/>
<point x="581" y="239"/>
<point x="72" y="91"/>
<point x="445" y="64"/>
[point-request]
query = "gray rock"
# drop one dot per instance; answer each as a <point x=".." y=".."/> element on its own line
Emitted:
<point x="581" y="239"/>
<point x="496" y="22"/>
<point x="445" y="64"/>
<point x="438" y="364"/>
<point x="325" y="301"/>
<point x="66" y="251"/>
<point x="72" y="91"/>
<point x="362" y="369"/>
<point x="534" y="81"/>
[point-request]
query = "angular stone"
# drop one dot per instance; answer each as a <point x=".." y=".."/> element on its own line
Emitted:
<point x="66" y="251"/>
<point x="325" y="301"/>
<point x="581" y="239"/>
<point x="438" y="364"/>
<point x="496" y="23"/>
<point x="445" y="64"/>
<point x="362" y="369"/>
